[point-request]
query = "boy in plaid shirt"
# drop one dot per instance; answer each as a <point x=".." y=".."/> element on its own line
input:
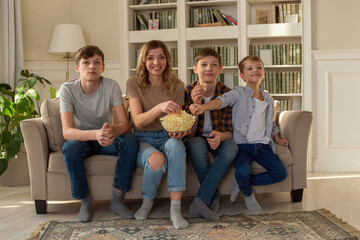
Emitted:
<point x="212" y="133"/>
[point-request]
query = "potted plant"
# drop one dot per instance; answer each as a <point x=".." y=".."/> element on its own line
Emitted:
<point x="15" y="106"/>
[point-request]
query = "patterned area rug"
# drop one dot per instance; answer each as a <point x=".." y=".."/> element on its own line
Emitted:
<point x="318" y="224"/>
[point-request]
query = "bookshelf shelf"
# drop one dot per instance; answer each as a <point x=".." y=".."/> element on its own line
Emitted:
<point x="147" y="35"/>
<point x="283" y="66"/>
<point x="184" y="38"/>
<point x="153" y="6"/>
<point x="206" y="33"/>
<point x="211" y="3"/>
<point x="274" y="30"/>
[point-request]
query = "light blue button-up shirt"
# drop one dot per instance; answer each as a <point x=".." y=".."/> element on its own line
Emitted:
<point x="242" y="100"/>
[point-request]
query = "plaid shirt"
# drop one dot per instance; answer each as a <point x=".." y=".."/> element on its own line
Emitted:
<point x="221" y="119"/>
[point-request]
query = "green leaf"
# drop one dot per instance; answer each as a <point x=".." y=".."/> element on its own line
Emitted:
<point x="52" y="91"/>
<point x="14" y="146"/>
<point x="3" y="165"/>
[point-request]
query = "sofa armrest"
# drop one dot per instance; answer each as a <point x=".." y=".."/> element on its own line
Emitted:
<point x="295" y="126"/>
<point x="37" y="149"/>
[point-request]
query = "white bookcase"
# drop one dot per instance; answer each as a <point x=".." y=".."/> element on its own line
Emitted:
<point x="247" y="32"/>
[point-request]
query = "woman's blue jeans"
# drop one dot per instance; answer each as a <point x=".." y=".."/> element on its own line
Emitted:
<point x="125" y="147"/>
<point x="175" y="153"/>
<point x="210" y="175"/>
<point x="263" y="155"/>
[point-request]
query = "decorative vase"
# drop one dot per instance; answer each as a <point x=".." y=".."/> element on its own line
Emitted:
<point x="17" y="173"/>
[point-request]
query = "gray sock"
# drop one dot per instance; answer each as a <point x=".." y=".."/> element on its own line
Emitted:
<point x="144" y="210"/>
<point x="199" y="208"/>
<point x="84" y="214"/>
<point x="251" y="203"/>
<point x="215" y="204"/>
<point x="118" y="207"/>
<point x="236" y="190"/>
<point x="175" y="215"/>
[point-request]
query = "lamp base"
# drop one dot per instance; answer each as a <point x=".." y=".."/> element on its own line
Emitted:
<point x="67" y="56"/>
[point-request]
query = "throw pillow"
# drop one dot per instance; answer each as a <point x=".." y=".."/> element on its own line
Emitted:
<point x="50" y="114"/>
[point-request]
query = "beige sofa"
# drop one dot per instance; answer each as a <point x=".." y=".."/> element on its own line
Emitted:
<point x="49" y="180"/>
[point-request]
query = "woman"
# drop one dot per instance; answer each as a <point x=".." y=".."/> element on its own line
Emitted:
<point x="154" y="92"/>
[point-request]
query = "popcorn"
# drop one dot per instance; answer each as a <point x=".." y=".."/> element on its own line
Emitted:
<point x="174" y="122"/>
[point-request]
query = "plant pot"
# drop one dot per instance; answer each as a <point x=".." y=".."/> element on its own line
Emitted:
<point x="17" y="173"/>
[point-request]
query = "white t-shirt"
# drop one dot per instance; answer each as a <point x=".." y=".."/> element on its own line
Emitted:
<point x="207" y="128"/>
<point x="91" y="111"/>
<point x="256" y="132"/>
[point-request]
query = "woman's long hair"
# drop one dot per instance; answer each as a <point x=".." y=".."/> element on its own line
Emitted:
<point x="142" y="73"/>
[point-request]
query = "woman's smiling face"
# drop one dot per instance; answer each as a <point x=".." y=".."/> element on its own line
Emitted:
<point x="156" y="62"/>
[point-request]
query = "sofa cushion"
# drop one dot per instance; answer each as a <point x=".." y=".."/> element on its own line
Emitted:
<point x="50" y="114"/>
<point x="97" y="165"/>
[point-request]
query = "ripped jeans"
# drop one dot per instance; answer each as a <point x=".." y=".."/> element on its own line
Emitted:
<point x="175" y="153"/>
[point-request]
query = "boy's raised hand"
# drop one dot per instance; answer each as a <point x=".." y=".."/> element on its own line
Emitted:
<point x="196" y="109"/>
<point x="197" y="94"/>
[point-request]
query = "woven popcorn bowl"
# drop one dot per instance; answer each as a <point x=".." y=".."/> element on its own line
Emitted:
<point x="174" y="122"/>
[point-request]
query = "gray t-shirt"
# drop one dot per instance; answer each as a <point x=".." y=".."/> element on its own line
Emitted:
<point x="93" y="110"/>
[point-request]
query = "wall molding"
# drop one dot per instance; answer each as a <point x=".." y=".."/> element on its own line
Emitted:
<point x="346" y="54"/>
<point x="334" y="73"/>
<point x="61" y="65"/>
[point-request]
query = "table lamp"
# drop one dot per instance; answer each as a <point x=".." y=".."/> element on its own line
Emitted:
<point x="66" y="39"/>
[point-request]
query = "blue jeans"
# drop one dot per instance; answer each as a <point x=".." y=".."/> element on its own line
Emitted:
<point x="175" y="153"/>
<point x="125" y="147"/>
<point x="210" y="175"/>
<point x="263" y="155"/>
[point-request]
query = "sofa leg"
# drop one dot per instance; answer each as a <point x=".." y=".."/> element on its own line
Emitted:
<point x="296" y="195"/>
<point x="41" y="206"/>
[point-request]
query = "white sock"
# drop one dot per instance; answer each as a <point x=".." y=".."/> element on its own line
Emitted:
<point x="144" y="210"/>
<point x="175" y="215"/>
<point x="236" y="190"/>
<point x="85" y="212"/>
<point x="251" y="203"/>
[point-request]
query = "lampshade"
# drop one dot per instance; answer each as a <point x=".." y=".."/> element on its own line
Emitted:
<point x="66" y="38"/>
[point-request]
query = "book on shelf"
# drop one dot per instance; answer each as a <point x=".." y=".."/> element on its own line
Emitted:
<point x="200" y="17"/>
<point x="218" y="17"/>
<point x="280" y="11"/>
<point x="285" y="104"/>
<point x="166" y="20"/>
<point x="142" y="20"/>
<point x="142" y="2"/>
<point x="282" y="82"/>
<point x="229" y="54"/>
<point x="282" y="54"/>
<point x="235" y="79"/>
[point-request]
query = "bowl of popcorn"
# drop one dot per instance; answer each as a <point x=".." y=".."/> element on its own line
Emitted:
<point x="175" y="122"/>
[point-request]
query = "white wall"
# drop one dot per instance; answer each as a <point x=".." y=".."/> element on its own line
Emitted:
<point x="335" y="24"/>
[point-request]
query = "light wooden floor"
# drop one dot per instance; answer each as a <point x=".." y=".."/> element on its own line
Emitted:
<point x="336" y="192"/>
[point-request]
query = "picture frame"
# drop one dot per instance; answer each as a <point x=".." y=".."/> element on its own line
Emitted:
<point x="266" y="56"/>
<point x="292" y="18"/>
<point x="262" y="16"/>
<point x="153" y="24"/>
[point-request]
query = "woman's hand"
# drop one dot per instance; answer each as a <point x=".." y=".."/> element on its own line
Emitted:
<point x="169" y="107"/>
<point x="179" y="135"/>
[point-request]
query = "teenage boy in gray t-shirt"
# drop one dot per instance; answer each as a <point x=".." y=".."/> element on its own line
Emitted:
<point x="86" y="106"/>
